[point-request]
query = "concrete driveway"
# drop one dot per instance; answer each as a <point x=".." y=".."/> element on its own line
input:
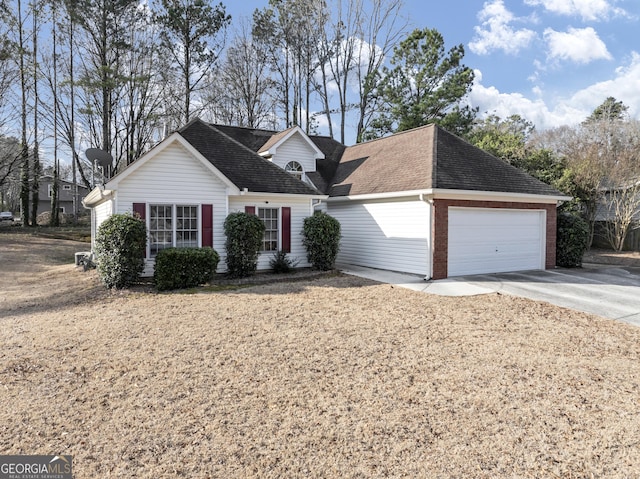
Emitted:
<point x="608" y="291"/>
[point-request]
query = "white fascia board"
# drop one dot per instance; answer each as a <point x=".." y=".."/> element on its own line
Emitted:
<point x="170" y="140"/>
<point x="296" y="129"/>
<point x="430" y="194"/>
<point x="380" y="196"/>
<point x="496" y="196"/>
<point x="96" y="196"/>
<point x="249" y="194"/>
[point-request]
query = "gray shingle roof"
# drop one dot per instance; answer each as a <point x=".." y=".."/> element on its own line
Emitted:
<point x="240" y="164"/>
<point x="424" y="158"/>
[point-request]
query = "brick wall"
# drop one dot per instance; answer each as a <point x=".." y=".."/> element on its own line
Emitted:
<point x="440" y="230"/>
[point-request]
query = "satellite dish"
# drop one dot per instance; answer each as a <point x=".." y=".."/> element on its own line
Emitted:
<point x="101" y="157"/>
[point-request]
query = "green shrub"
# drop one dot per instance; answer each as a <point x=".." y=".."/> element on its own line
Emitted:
<point x="184" y="267"/>
<point x="321" y="238"/>
<point x="244" y="234"/>
<point x="121" y="241"/>
<point x="281" y="263"/>
<point x="572" y="240"/>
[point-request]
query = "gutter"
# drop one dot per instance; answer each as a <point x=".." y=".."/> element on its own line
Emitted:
<point x="96" y="196"/>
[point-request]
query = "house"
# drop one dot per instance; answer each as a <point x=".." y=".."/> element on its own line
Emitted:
<point x="422" y="201"/>
<point x="65" y="195"/>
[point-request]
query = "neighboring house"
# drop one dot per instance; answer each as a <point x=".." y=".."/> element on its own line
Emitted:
<point x="65" y="195"/>
<point x="422" y="201"/>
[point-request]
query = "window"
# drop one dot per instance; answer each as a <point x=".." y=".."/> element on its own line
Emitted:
<point x="186" y="226"/>
<point x="269" y="217"/>
<point x="66" y="187"/>
<point x="172" y="225"/>
<point x="295" y="169"/>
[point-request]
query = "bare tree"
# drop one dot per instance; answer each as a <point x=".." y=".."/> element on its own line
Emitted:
<point x="37" y="167"/>
<point x="192" y="32"/>
<point x="25" y="167"/>
<point x="105" y="25"/>
<point x="383" y="28"/>
<point x="355" y="44"/>
<point x="138" y="119"/>
<point x="242" y="92"/>
<point x="622" y="196"/>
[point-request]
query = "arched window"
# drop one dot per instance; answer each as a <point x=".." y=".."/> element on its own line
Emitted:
<point x="295" y="169"/>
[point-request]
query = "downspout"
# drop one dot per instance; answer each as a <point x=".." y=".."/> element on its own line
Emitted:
<point x="429" y="202"/>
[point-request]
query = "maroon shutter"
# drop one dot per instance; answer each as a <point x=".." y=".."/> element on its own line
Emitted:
<point x="140" y="209"/>
<point x="250" y="210"/>
<point x="286" y="229"/>
<point x="207" y="225"/>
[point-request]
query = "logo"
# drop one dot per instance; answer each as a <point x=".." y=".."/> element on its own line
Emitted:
<point x="35" y="467"/>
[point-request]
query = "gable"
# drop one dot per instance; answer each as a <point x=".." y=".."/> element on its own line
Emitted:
<point x="296" y="148"/>
<point x="173" y="174"/>
<point x="242" y="166"/>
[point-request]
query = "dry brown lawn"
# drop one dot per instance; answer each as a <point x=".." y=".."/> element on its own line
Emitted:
<point x="332" y="377"/>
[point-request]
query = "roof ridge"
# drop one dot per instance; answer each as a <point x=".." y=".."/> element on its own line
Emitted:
<point x="396" y="134"/>
<point x="242" y="145"/>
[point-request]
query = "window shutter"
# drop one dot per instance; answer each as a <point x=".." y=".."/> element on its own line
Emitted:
<point x="286" y="229"/>
<point x="250" y="210"/>
<point x="207" y="225"/>
<point x="141" y="210"/>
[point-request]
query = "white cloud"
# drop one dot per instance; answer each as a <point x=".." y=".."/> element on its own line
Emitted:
<point x="580" y="45"/>
<point x="569" y="110"/>
<point x="496" y="33"/>
<point x="624" y="87"/>
<point x="588" y="10"/>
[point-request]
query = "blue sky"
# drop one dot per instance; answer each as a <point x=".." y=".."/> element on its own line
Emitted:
<point x="550" y="61"/>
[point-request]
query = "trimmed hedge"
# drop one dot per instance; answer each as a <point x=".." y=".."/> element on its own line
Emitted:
<point x="321" y="237"/>
<point x="184" y="267"/>
<point x="572" y="240"/>
<point x="121" y="242"/>
<point x="244" y="234"/>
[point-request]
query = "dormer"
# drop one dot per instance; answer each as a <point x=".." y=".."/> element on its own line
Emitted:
<point x="293" y="151"/>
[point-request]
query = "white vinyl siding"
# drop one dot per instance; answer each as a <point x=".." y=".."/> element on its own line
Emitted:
<point x="300" y="209"/>
<point x="495" y="240"/>
<point x="175" y="177"/>
<point x="297" y="149"/>
<point x="390" y="235"/>
<point x="98" y="215"/>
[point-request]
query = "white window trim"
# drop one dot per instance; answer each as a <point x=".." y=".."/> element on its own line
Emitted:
<point x="173" y="223"/>
<point x="300" y="174"/>
<point x="279" y="230"/>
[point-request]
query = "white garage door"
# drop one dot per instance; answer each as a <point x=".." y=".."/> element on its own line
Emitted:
<point x="495" y="240"/>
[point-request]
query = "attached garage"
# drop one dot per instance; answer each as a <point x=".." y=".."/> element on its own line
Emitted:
<point x="494" y="240"/>
<point x="425" y="201"/>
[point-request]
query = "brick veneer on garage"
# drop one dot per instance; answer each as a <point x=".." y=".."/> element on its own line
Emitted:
<point x="441" y="229"/>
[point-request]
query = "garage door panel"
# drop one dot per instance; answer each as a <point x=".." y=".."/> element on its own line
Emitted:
<point x="492" y="241"/>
